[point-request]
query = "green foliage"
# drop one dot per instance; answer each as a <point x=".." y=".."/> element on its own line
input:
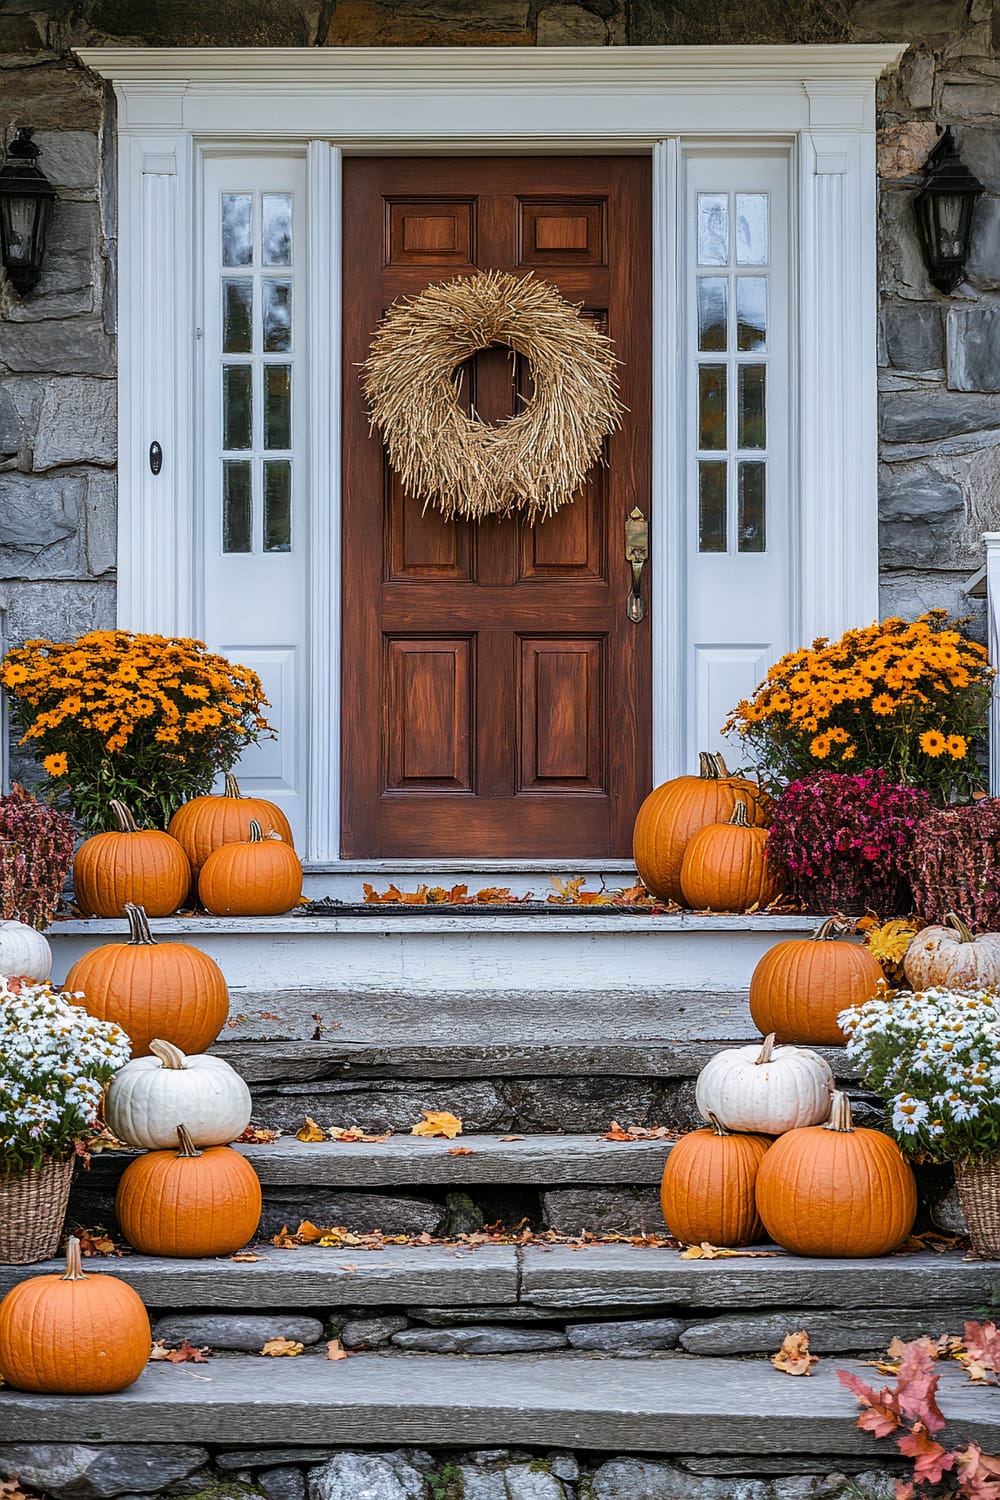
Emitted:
<point x="446" y="1483"/>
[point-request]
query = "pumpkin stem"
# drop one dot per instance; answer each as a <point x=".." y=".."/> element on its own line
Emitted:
<point x="740" y="817"/>
<point x="74" y="1264"/>
<point x="232" y="786"/>
<point x="256" y="835"/>
<point x="169" y="1055"/>
<point x="840" y="1113"/>
<point x="965" y="934"/>
<point x="124" y="821"/>
<point x="187" y="1145"/>
<point x="723" y="768"/>
<point x="767" y="1050"/>
<point x="717" y="1125"/>
<point x="138" y="926"/>
<point x="708" y="766"/>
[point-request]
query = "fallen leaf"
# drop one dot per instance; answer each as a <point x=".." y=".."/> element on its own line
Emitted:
<point x="351" y="1133"/>
<point x="310" y="1132"/>
<point x="793" y="1358"/>
<point x="308" y="1232"/>
<point x="461" y="1151"/>
<point x="335" y="1350"/>
<point x="186" y="1355"/>
<point x="159" y="1350"/>
<point x="256" y="1135"/>
<point x="438" y="1122"/>
<point x="275" y="1348"/>
<point x="245" y="1256"/>
<point x="705" y="1251"/>
<point x="512" y="1137"/>
<point x="97" y="1242"/>
<point x="618" y="1133"/>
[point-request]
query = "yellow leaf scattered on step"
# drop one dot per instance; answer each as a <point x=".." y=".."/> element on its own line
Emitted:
<point x="705" y="1251"/>
<point x="461" y="1151"/>
<point x="274" y="1348"/>
<point x="310" y="1132"/>
<point x="793" y="1358"/>
<point x="438" y="1122"/>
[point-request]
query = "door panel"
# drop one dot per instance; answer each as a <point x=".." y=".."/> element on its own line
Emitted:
<point x="496" y="699"/>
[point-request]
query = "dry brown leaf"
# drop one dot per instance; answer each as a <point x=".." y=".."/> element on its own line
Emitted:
<point x="275" y="1348"/>
<point x="618" y="1133"/>
<point x="438" y="1122"/>
<point x="308" y="1232"/>
<point x="354" y="1133"/>
<point x="793" y="1358"/>
<point x="461" y="1151"/>
<point x="245" y="1256"/>
<point x="186" y="1355"/>
<point x="339" y="1236"/>
<point x="159" y="1350"/>
<point x="256" y="1135"/>
<point x="310" y="1132"/>
<point x="705" y="1251"/>
<point x="97" y="1242"/>
<point x="335" y="1350"/>
<point x="512" y="1137"/>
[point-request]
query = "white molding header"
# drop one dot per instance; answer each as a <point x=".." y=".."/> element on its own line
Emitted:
<point x="522" y="96"/>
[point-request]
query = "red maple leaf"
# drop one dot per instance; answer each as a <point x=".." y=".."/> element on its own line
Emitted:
<point x="931" y="1459"/>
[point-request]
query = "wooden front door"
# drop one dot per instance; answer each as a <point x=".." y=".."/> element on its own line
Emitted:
<point x="496" y="697"/>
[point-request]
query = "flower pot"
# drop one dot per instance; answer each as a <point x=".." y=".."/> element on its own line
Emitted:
<point x="32" y="1212"/>
<point x="979" y="1194"/>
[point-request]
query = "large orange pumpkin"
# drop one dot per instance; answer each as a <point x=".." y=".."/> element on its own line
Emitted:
<point x="189" y="1202"/>
<point x="725" y="867"/>
<point x="259" y="878"/>
<point x="141" y="865"/>
<point x="73" y="1335"/>
<point x="206" y="823"/>
<point x="836" y="1190"/>
<point x="153" y="989"/>
<point x="800" y="986"/>
<point x="675" y="811"/>
<point x="707" y="1190"/>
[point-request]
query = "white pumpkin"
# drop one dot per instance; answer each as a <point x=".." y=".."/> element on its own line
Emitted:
<point x="765" y="1089"/>
<point x="24" y="951"/>
<point x="953" y="958"/>
<point x="151" y="1096"/>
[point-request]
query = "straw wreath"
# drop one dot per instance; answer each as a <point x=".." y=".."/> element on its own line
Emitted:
<point x="532" y="463"/>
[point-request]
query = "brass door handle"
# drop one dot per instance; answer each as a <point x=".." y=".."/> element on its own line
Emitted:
<point x="636" y="552"/>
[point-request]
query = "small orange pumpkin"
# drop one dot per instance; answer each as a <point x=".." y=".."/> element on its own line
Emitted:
<point x="707" y="1189"/>
<point x="141" y="865"/>
<point x="189" y="1202"/>
<point x="206" y="823"/>
<point x="836" y="1190"/>
<point x="73" y="1335"/>
<point x="674" y="812"/>
<point x="153" y="989"/>
<point x="725" y="867"/>
<point x="800" y="986"/>
<point x="259" y="878"/>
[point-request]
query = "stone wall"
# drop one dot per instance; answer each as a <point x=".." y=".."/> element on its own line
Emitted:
<point x="940" y="357"/>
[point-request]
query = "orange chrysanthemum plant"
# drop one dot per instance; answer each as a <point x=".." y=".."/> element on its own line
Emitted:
<point x="908" y="696"/>
<point x="146" y="719"/>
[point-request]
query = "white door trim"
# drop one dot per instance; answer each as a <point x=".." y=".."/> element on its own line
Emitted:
<point x="174" y="102"/>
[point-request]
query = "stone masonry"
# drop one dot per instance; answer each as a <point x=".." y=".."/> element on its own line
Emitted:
<point x="939" y="356"/>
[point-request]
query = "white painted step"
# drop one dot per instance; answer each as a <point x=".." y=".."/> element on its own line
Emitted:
<point x="427" y="951"/>
<point x="673" y="1405"/>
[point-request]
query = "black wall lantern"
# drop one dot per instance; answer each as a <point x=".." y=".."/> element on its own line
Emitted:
<point x="944" y="207"/>
<point x="26" y="199"/>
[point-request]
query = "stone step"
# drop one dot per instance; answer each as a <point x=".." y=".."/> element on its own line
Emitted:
<point x="555" y="1279"/>
<point x="428" y="952"/>
<point x="679" y="1405"/>
<point x="415" y="1161"/>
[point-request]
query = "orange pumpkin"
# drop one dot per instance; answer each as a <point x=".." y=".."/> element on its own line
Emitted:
<point x="73" y="1335"/>
<point x="675" y="811"/>
<point x="836" y="1190"/>
<point x="141" y="865"/>
<point x="725" y="867"/>
<point x="153" y="989"/>
<point x="259" y="878"/>
<point x="206" y="823"/>
<point x="800" y="986"/>
<point x="189" y="1202"/>
<point x="707" y="1190"/>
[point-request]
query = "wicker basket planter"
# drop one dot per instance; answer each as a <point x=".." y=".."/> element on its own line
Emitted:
<point x="979" y="1194"/>
<point x="32" y="1212"/>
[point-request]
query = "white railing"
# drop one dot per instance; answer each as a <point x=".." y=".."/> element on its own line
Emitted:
<point x="991" y="541"/>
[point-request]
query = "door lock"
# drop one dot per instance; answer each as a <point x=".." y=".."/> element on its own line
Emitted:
<point x="636" y="553"/>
